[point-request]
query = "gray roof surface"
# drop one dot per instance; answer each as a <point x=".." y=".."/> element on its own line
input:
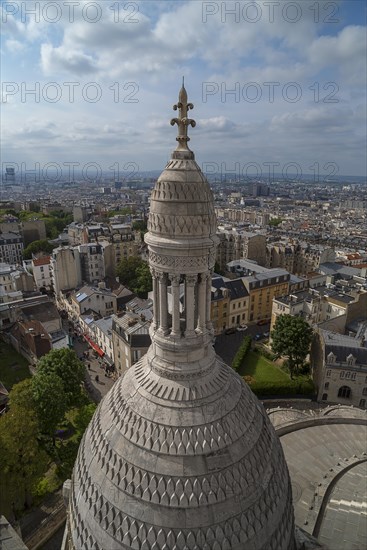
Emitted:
<point x="9" y="539"/>
<point x="313" y="453"/>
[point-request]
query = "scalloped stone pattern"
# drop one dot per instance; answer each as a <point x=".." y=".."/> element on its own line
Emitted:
<point x="182" y="208"/>
<point x="185" y="464"/>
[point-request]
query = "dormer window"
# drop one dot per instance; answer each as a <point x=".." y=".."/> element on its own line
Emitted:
<point x="331" y="358"/>
<point x="351" y="359"/>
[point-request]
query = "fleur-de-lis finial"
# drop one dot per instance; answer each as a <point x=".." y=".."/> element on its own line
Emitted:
<point x="183" y="121"/>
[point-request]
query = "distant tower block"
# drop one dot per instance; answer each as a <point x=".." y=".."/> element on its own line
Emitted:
<point x="10" y="176"/>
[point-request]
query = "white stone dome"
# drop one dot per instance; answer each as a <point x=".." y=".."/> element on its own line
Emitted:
<point x="181" y="462"/>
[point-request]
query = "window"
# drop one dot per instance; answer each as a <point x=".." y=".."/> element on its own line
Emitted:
<point x="342" y="374"/>
<point x="364" y="392"/>
<point x="328" y="373"/>
<point x="326" y="386"/>
<point x="347" y="374"/>
<point x="324" y="397"/>
<point x="362" y="403"/>
<point x="353" y="376"/>
<point x="344" y="391"/>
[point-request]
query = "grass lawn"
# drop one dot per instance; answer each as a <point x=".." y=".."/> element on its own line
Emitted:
<point x="265" y="378"/>
<point x="13" y="366"/>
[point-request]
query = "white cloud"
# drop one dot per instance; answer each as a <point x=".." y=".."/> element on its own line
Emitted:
<point x="14" y="46"/>
<point x="64" y="60"/>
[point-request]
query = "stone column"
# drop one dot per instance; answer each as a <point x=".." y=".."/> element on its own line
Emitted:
<point x="175" y="283"/>
<point x="163" y="306"/>
<point x="155" y="299"/>
<point x="190" y="304"/>
<point x="202" y="293"/>
<point x="208" y="300"/>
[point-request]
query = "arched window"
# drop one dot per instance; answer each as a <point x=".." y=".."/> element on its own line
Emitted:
<point x="328" y="373"/>
<point x="364" y="392"/>
<point x="362" y="403"/>
<point x="344" y="391"/>
<point x="324" y="397"/>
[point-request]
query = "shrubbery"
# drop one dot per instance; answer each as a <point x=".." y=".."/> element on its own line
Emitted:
<point x="291" y="387"/>
<point x="241" y="354"/>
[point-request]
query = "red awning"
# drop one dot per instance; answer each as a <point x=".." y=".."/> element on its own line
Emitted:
<point x="94" y="345"/>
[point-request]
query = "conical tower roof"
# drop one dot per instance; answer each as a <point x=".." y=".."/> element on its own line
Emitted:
<point x="180" y="455"/>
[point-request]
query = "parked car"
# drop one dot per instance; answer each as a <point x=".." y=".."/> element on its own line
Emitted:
<point x="230" y="330"/>
<point x="266" y="334"/>
<point x="258" y="336"/>
<point x="242" y="328"/>
<point x="263" y="322"/>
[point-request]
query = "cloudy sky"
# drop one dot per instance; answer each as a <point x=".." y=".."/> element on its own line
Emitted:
<point x="274" y="83"/>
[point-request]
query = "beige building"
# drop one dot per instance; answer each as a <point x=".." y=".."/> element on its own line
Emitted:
<point x="339" y="365"/>
<point x="262" y="288"/>
<point x="321" y="305"/>
<point x="130" y="339"/>
<point x="100" y="300"/>
<point x="234" y="245"/>
<point x="229" y="304"/>
<point x="65" y="268"/>
<point x="41" y="269"/>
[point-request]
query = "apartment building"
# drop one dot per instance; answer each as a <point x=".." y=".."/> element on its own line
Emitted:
<point x="42" y="273"/>
<point x="99" y="300"/>
<point x="130" y="339"/>
<point x="262" y="288"/>
<point x="11" y="248"/>
<point x="234" y="245"/>
<point x="339" y="365"/>
<point x="65" y="269"/>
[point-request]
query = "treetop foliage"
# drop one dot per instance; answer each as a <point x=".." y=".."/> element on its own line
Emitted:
<point x="292" y="337"/>
<point x="135" y="274"/>
<point x="64" y="363"/>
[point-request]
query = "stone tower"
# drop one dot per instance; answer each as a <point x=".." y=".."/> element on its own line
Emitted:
<point x="180" y="455"/>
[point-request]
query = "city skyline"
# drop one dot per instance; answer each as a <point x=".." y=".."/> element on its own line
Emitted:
<point x="273" y="85"/>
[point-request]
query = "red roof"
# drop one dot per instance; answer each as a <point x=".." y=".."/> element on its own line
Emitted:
<point x="41" y="261"/>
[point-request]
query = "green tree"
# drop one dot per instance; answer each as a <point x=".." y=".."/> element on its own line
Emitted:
<point x="21" y="396"/>
<point x="292" y="338"/>
<point x="37" y="246"/>
<point x="275" y="222"/>
<point x="126" y="270"/>
<point x="134" y="273"/>
<point x="50" y="401"/>
<point x="143" y="283"/>
<point x="83" y="417"/>
<point x="64" y="363"/>
<point x="22" y="461"/>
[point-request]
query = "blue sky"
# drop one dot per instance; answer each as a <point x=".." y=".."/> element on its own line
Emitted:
<point x="272" y="82"/>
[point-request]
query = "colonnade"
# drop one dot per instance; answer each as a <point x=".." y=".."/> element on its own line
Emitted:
<point x="196" y="303"/>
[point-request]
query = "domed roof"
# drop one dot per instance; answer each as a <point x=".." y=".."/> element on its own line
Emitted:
<point x="181" y="462"/>
<point x="181" y="202"/>
<point x="180" y="455"/>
